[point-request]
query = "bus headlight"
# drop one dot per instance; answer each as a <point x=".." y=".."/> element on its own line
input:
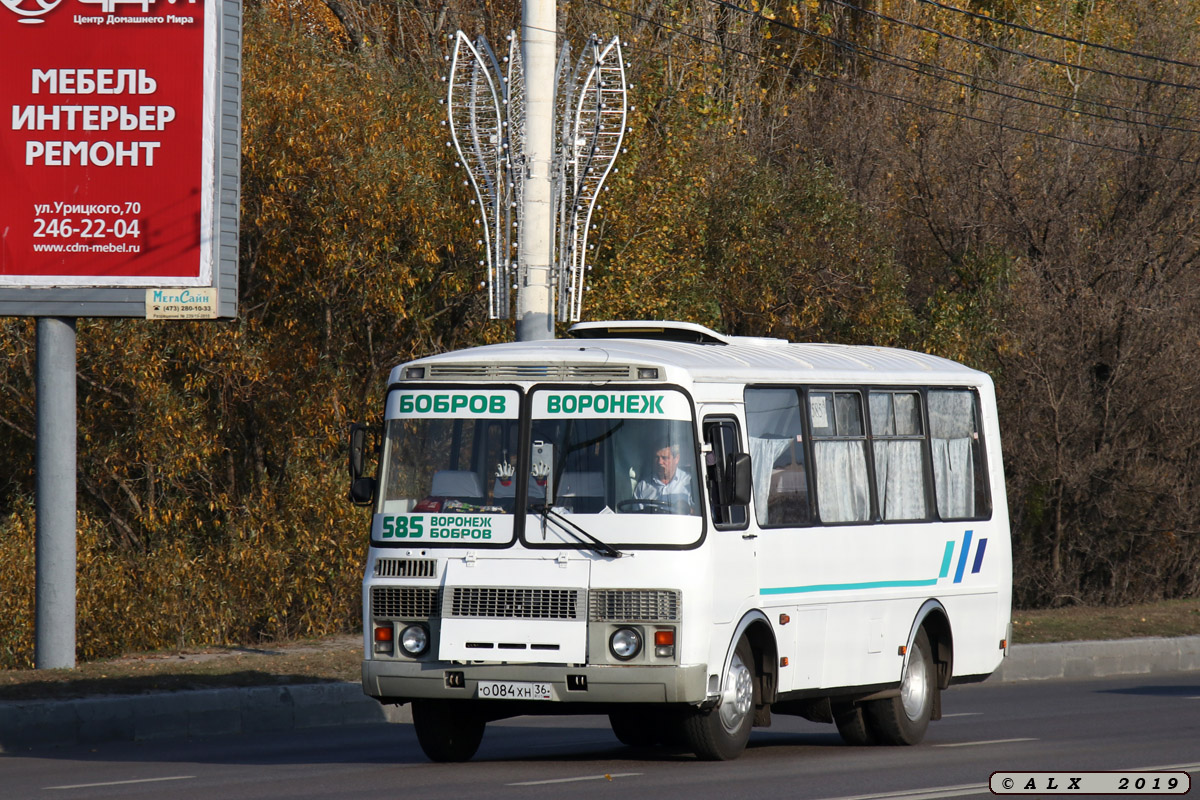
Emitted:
<point x="625" y="643"/>
<point x="415" y="640"/>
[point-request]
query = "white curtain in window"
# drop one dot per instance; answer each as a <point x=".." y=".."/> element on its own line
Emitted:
<point x="954" y="477"/>
<point x="842" y="491"/>
<point x="900" y="479"/>
<point x="763" y="453"/>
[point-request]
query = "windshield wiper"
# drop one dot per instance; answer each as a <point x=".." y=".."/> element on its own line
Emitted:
<point x="599" y="545"/>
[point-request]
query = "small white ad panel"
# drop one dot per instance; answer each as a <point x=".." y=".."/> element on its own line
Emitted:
<point x="517" y="641"/>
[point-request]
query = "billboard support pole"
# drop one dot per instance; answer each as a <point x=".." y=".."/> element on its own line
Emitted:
<point x="56" y="432"/>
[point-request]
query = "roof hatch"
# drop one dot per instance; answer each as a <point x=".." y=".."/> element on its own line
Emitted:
<point x="661" y="331"/>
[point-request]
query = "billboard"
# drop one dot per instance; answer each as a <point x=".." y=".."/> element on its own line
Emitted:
<point x="118" y="154"/>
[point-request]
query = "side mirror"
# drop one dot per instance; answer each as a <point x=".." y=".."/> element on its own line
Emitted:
<point x="362" y="490"/>
<point x="358" y="442"/>
<point x="738" y="472"/>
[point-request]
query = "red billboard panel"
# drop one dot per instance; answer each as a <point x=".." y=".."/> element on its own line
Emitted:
<point x="106" y="142"/>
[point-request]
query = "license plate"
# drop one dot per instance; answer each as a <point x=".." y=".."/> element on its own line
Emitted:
<point x="513" y="690"/>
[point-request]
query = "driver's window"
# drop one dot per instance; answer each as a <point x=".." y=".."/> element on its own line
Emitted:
<point x="721" y="436"/>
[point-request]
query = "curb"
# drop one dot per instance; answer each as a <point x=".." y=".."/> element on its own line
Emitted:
<point x="191" y="714"/>
<point x="268" y="709"/>
<point x="1099" y="659"/>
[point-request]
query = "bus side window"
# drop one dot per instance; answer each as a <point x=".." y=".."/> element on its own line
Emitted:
<point x="721" y="434"/>
<point x="840" y="456"/>
<point x="776" y="432"/>
<point x="898" y="438"/>
<point x="959" y="472"/>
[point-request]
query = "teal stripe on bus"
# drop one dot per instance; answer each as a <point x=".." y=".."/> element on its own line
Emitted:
<point x="845" y="587"/>
<point x="946" y="559"/>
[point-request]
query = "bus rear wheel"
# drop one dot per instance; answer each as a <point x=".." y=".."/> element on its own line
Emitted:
<point x="721" y="733"/>
<point x="852" y="724"/>
<point x="447" y="731"/>
<point x="904" y="719"/>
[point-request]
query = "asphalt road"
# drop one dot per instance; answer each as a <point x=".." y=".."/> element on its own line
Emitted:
<point x="1111" y="724"/>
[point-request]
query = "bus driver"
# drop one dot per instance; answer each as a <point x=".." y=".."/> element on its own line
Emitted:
<point x="669" y="484"/>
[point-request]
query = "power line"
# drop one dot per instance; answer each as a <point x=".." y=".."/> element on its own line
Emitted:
<point x="885" y="57"/>
<point x="997" y="48"/>
<point x="1073" y="99"/>
<point x="1061" y="37"/>
<point x="867" y="51"/>
<point x="1065" y="109"/>
<point x="887" y="95"/>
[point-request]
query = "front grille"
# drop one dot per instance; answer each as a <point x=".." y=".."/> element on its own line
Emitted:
<point x="500" y="603"/>
<point x="634" y="605"/>
<point x="404" y="602"/>
<point x="513" y="372"/>
<point x="406" y="568"/>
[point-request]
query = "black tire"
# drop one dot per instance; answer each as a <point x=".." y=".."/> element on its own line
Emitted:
<point x="903" y="720"/>
<point x="447" y="731"/>
<point x="636" y="728"/>
<point x="721" y="733"/>
<point x="852" y="724"/>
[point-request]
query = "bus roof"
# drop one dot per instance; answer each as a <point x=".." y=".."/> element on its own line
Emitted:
<point x="685" y="353"/>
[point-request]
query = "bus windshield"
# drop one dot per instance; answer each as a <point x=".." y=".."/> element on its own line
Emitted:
<point x="612" y="453"/>
<point x="447" y="466"/>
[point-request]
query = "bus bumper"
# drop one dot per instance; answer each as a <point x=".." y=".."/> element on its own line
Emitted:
<point x="396" y="681"/>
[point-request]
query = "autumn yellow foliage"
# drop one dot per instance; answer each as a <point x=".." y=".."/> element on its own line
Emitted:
<point x="983" y="181"/>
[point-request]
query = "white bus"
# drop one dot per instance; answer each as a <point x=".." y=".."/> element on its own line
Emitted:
<point x="686" y="531"/>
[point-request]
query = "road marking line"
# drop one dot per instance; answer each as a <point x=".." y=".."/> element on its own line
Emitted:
<point x="608" y="777"/>
<point x="963" y="714"/>
<point x="929" y="793"/>
<point x="1169" y="768"/>
<point x="123" y="783"/>
<point x="989" y="741"/>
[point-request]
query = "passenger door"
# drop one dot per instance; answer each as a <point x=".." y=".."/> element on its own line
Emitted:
<point x="732" y="539"/>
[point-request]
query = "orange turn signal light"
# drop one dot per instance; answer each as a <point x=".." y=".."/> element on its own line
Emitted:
<point x="664" y="638"/>
<point x="384" y="634"/>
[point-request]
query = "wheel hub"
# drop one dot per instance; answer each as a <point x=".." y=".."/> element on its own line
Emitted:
<point x="914" y="689"/>
<point x="738" y="697"/>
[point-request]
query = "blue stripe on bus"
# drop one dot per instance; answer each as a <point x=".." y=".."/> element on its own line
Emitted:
<point x="962" y="558"/>
<point x="979" y="556"/>
<point x="842" y="587"/>
<point x="946" y="559"/>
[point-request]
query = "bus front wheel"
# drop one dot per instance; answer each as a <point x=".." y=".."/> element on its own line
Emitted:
<point x="903" y="719"/>
<point x="447" y="731"/>
<point x="721" y="733"/>
<point x="638" y="728"/>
